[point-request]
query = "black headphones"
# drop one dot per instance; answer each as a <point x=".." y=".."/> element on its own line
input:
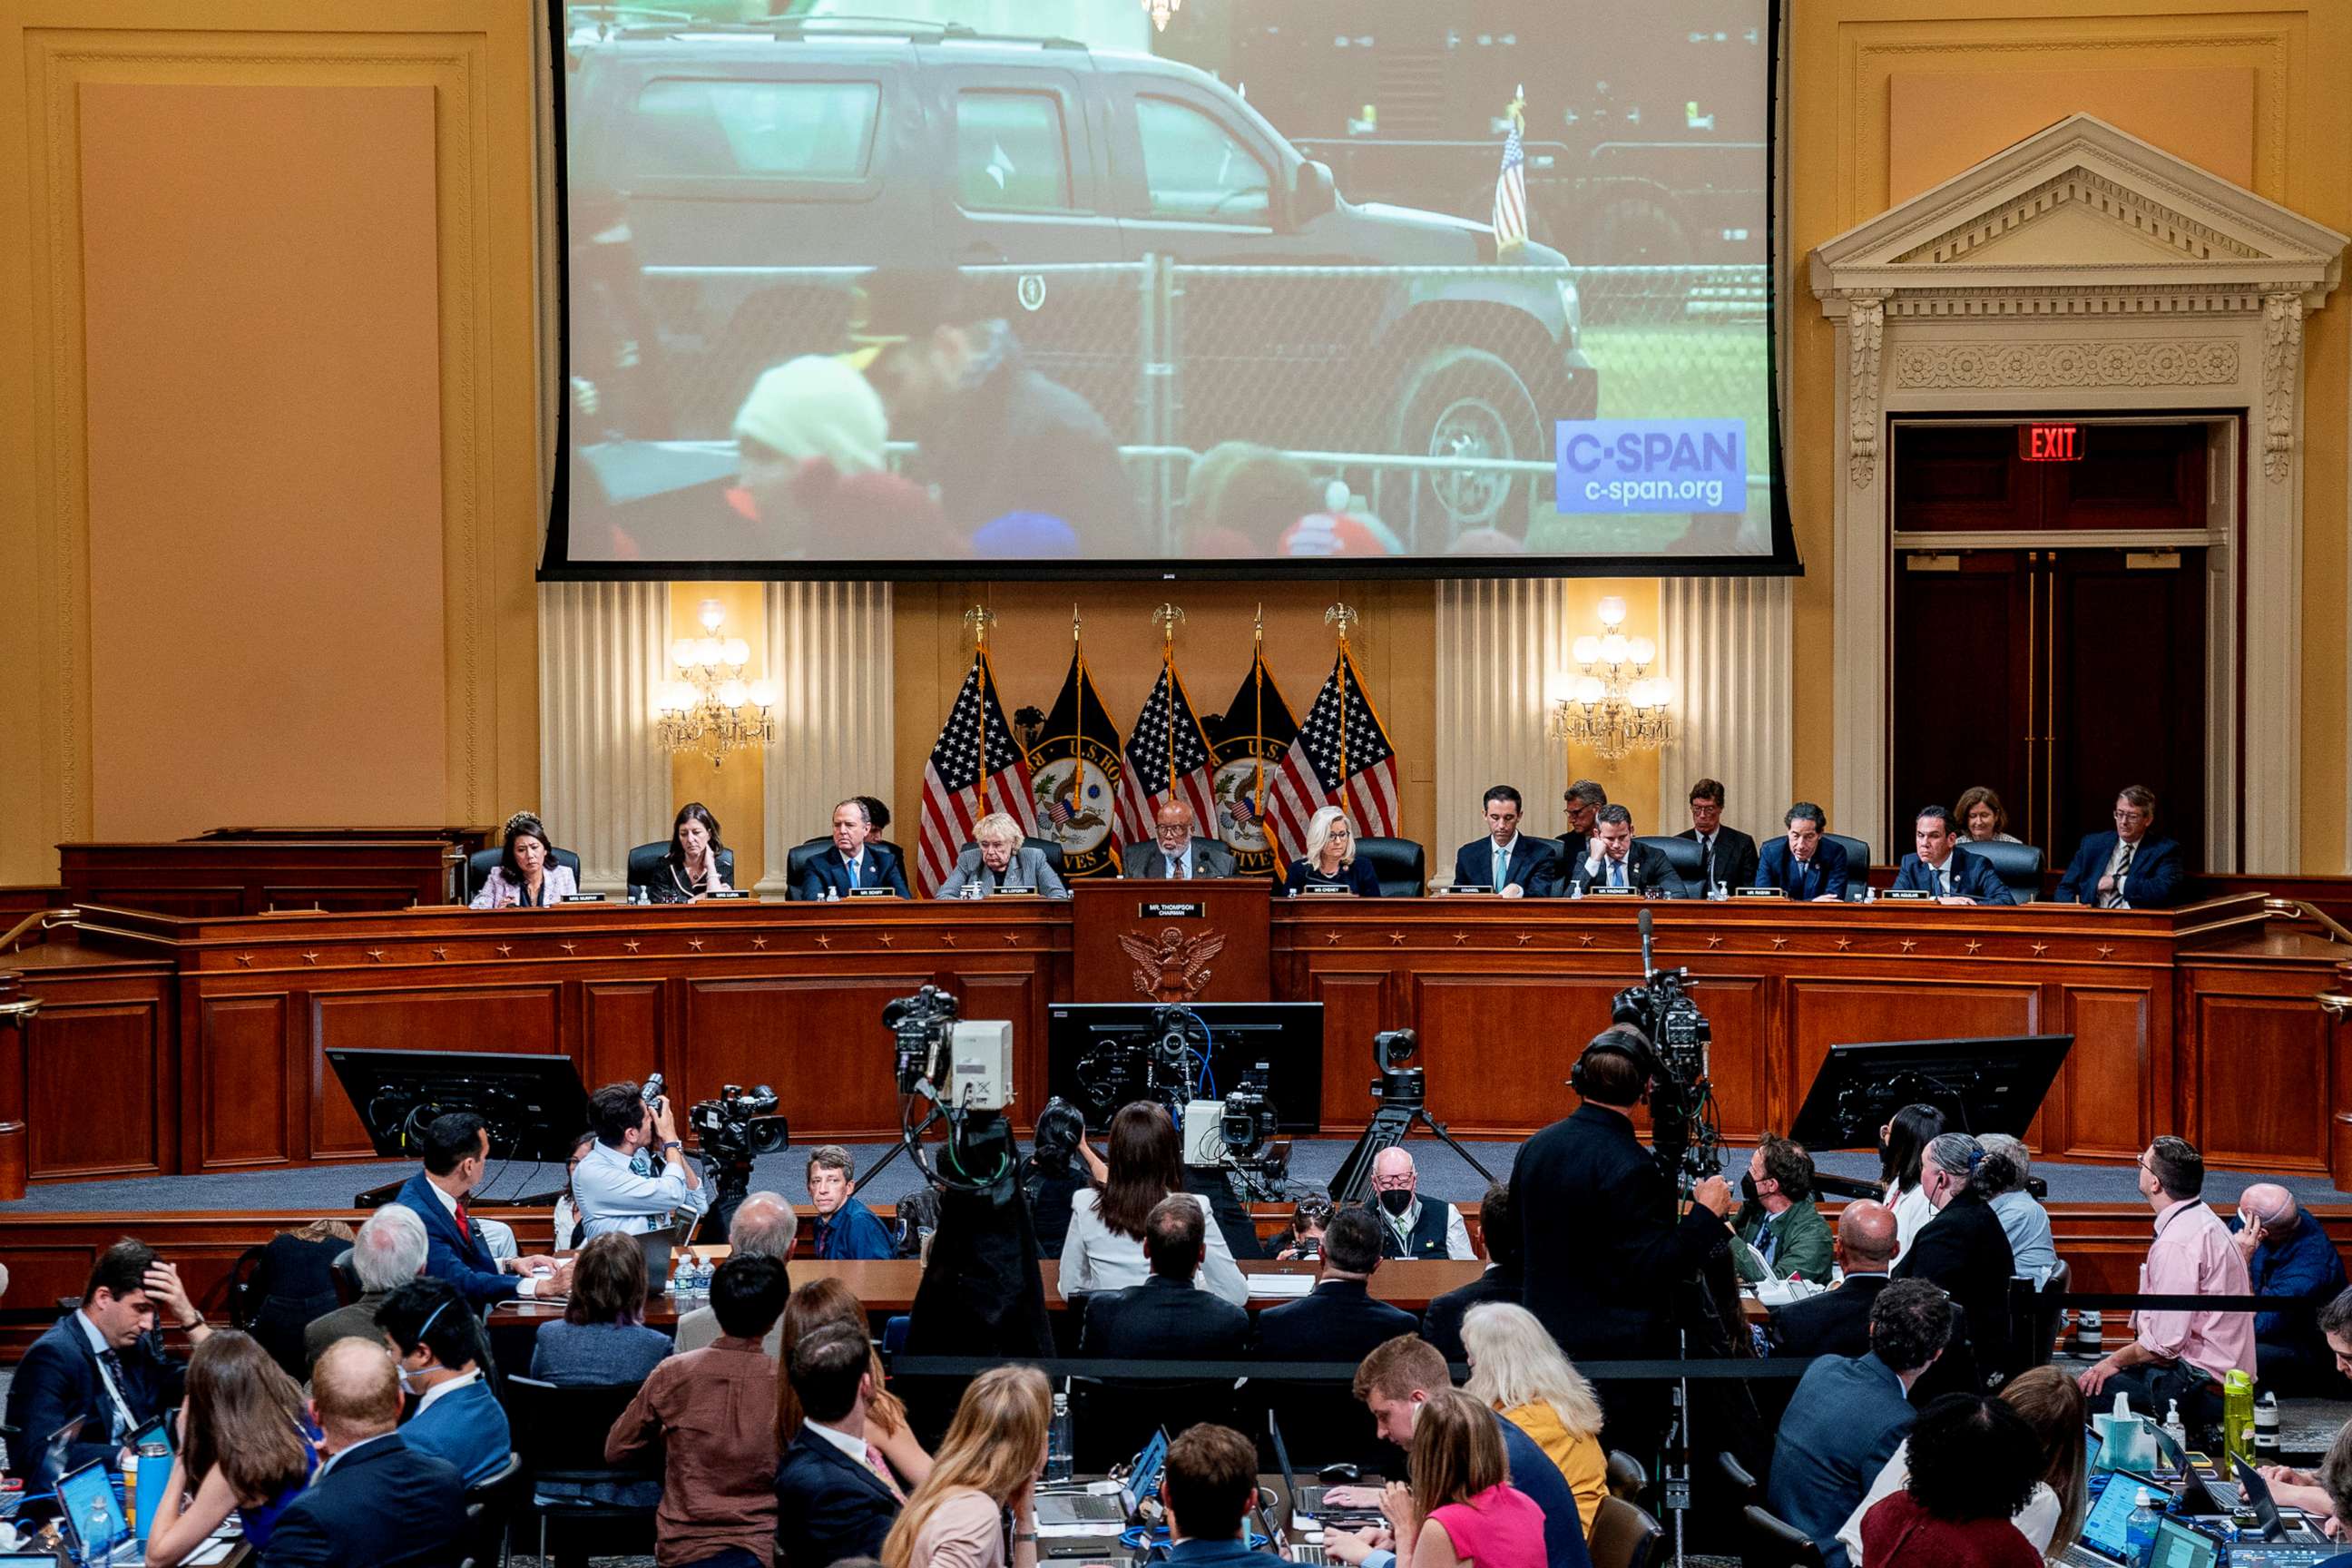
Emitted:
<point x="1617" y="1041"/>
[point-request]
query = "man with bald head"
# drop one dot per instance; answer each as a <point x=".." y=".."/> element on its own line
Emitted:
<point x="375" y="1502"/>
<point x="1174" y="850"/>
<point x="1837" y="1322"/>
<point x="764" y="1226"/>
<point x="1409" y="1227"/>
<point x="2287" y="1254"/>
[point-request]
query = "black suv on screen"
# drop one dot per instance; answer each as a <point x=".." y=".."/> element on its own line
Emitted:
<point x="758" y="173"/>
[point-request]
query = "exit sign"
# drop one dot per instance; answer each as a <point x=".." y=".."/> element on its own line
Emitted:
<point x="2049" y="443"/>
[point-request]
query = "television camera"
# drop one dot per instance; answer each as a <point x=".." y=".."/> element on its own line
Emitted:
<point x="1687" y="1142"/>
<point x="964" y="1069"/>
<point x="1401" y="1096"/>
<point x="1161" y="1063"/>
<point x="733" y="1131"/>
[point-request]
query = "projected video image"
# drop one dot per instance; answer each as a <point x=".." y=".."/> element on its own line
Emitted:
<point x="1167" y="280"/>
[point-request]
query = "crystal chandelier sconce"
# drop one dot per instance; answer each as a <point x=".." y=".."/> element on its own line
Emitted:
<point x="1615" y="706"/>
<point x="709" y="708"/>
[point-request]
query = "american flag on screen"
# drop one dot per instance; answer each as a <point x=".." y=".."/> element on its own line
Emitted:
<point x="1311" y="777"/>
<point x="1167" y="755"/>
<point x="1511" y="194"/>
<point x="951" y="779"/>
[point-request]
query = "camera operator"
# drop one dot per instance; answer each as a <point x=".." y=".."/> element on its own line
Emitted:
<point x="1602" y="1250"/>
<point x="1309" y="1217"/>
<point x="607" y="1188"/>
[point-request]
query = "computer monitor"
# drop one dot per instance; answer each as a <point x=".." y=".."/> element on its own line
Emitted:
<point x="533" y="1105"/>
<point x="89" y="1512"/>
<point x="1981" y="1086"/>
<point x="1084" y="1063"/>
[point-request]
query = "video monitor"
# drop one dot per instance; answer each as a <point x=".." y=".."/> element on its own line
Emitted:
<point x="1210" y="287"/>
<point x="1100" y="1055"/>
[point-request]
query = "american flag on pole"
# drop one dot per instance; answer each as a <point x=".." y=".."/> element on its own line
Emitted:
<point x="1167" y="757"/>
<point x="1340" y="723"/>
<point x="1511" y="191"/>
<point x="952" y="778"/>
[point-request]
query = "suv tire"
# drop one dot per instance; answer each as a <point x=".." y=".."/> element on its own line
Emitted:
<point x="1463" y="402"/>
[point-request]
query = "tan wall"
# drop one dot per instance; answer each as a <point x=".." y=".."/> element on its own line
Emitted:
<point x="269" y="443"/>
<point x="1887" y="97"/>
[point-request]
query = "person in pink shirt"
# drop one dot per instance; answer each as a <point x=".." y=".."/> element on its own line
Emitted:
<point x="2176" y="1353"/>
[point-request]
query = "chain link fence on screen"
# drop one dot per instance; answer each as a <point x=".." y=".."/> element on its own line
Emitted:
<point x="1428" y="394"/>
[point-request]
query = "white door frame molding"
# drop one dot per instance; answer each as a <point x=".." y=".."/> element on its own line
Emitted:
<point x="2080" y="271"/>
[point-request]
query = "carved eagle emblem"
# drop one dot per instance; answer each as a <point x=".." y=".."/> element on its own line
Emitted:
<point x="1173" y="967"/>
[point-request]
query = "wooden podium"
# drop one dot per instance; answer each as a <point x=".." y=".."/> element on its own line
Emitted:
<point x="1197" y="940"/>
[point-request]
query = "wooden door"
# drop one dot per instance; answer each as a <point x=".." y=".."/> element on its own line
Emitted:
<point x="2046" y="663"/>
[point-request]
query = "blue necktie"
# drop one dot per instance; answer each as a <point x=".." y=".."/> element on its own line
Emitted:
<point x="1616" y="873"/>
<point x="1804" y="877"/>
<point x="1502" y="865"/>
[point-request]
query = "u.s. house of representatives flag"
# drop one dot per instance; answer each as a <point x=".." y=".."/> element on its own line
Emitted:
<point x="974" y="744"/>
<point x="1168" y="758"/>
<point x="1074" y="782"/>
<point x="1341" y="744"/>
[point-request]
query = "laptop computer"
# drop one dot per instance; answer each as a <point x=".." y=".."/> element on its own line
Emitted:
<point x="2199" y="1498"/>
<point x="1307" y="1502"/>
<point x="2180" y="1545"/>
<point x="2106" y="1535"/>
<point x="1109" y="1508"/>
<point x="90" y="1515"/>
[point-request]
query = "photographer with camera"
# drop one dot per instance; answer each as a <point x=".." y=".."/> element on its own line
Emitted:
<point x="609" y="1191"/>
<point x="1602" y="1248"/>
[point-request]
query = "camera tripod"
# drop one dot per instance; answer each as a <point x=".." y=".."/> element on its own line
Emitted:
<point x="1391" y="1123"/>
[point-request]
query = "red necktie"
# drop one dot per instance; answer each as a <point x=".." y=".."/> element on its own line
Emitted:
<point x="465" y="1225"/>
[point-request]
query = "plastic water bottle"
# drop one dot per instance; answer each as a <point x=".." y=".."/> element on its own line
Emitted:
<point x="2139" y="1530"/>
<point x="678" y="1283"/>
<point x="2238" y="1416"/>
<point x="1058" y="1457"/>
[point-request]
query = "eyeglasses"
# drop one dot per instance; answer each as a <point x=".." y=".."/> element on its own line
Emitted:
<point x="2133" y="814"/>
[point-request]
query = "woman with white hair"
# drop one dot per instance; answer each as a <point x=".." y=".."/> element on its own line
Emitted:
<point x="1518" y="1370"/>
<point x="1329" y="865"/>
<point x="1000" y="860"/>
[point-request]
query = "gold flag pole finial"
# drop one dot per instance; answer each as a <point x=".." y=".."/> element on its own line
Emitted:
<point x="1518" y="109"/>
<point x="980" y="618"/>
<point x="1343" y="615"/>
<point x="1165" y="618"/>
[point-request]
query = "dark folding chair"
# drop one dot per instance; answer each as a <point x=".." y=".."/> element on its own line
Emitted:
<point x="559" y="1434"/>
<point x="1628" y="1479"/>
<point x="1774" y="1542"/>
<point x="1745" y="1490"/>
<point x="1623" y="1536"/>
<point x="2034" y="1316"/>
<point x="489" y="1510"/>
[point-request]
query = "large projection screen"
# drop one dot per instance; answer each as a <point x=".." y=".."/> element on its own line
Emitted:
<point x="910" y="288"/>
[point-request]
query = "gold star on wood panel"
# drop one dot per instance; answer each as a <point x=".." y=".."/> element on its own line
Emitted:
<point x="1332" y="937"/>
<point x="631" y="943"/>
<point x="947" y="937"/>
<point x="1975" y="946"/>
<point x="246" y="959"/>
<point x="2106" y="952"/>
<point x="1013" y="939"/>
<point x="1715" y="941"/>
<point x="376" y="953"/>
<point x="441" y="953"/>
<point x="1396" y="938"/>
<point x="695" y="942"/>
<point x="2040" y="948"/>
<point x="505" y="950"/>
<point x="309" y="958"/>
<point x="1780" y="941"/>
<point x="1909" y="943"/>
<point x="760" y="945"/>
<point x="888" y="938"/>
<point x="1460" y="937"/>
<point x="569" y="946"/>
<point x="1585" y="940"/>
<point x="1844" y="942"/>
<point x="825" y="939"/>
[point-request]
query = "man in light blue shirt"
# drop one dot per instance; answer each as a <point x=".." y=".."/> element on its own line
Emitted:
<point x="606" y="1188"/>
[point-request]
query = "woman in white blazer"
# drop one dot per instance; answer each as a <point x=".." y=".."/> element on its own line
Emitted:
<point x="1104" y="1250"/>
<point x="526" y="873"/>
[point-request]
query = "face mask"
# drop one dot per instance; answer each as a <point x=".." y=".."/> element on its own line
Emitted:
<point x="1748" y="1185"/>
<point x="1396" y="1200"/>
<point x="409" y="1383"/>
